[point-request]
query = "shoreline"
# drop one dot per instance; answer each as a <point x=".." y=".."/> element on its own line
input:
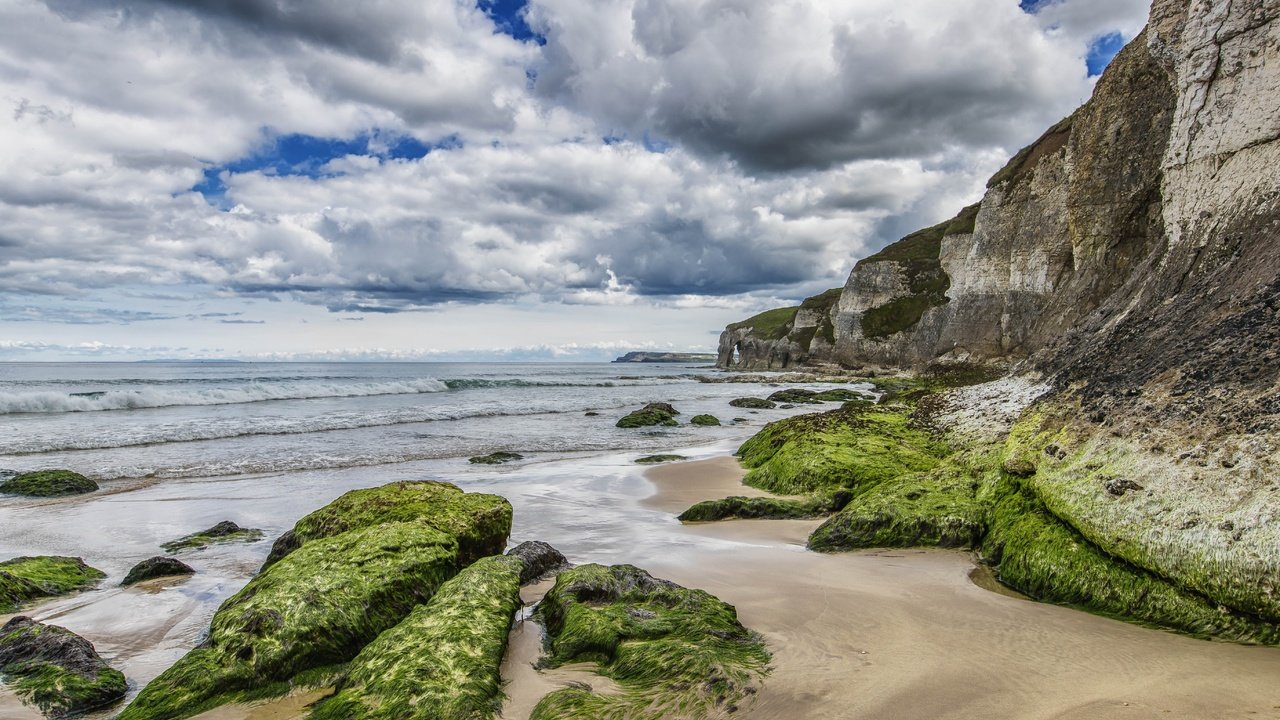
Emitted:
<point x="908" y="634"/>
<point x="892" y="633"/>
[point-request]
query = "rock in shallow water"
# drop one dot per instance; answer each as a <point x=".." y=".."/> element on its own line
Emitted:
<point x="25" y="579"/>
<point x="496" y="458"/>
<point x="56" y="670"/>
<point x="651" y="414"/>
<point x="156" y="567"/>
<point x="48" y="483"/>
<point x="225" y="531"/>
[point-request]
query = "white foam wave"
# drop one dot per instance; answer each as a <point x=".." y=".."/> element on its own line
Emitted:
<point x="49" y="401"/>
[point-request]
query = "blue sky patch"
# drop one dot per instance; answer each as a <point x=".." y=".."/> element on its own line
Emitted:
<point x="306" y="155"/>
<point x="1101" y="51"/>
<point x="508" y="16"/>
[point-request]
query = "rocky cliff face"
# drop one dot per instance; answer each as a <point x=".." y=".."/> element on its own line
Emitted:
<point x="782" y="338"/>
<point x="1128" y="260"/>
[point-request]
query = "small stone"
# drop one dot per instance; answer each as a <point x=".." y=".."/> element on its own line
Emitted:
<point x="539" y="558"/>
<point x="1120" y="486"/>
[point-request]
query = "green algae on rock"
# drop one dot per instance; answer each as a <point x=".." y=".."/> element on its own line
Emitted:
<point x="934" y="508"/>
<point x="705" y="420"/>
<point x="649" y="415"/>
<point x="495" y="458"/>
<point x="479" y="522"/>
<point x="25" y="579"/>
<point x="157" y="567"/>
<point x="656" y="459"/>
<point x="56" y="670"/>
<point x="441" y="662"/>
<point x="750" y="508"/>
<point x="315" y="608"/>
<point x="676" y="651"/>
<point x="753" y="403"/>
<point x="48" y="483"/>
<point x="223" y="532"/>
<point x="854" y="448"/>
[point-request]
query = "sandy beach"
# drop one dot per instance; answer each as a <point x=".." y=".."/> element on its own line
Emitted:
<point x="907" y="634"/>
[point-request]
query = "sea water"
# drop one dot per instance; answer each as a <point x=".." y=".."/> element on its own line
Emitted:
<point x="178" y="447"/>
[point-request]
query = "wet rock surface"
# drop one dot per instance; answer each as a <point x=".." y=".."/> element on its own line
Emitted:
<point x="55" y="669"/>
<point x="157" y="567"/>
<point x="539" y="558"/>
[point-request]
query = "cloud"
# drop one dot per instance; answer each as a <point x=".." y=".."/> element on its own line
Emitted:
<point x="796" y="86"/>
<point x="652" y="153"/>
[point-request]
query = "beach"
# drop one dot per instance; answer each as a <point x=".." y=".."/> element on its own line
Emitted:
<point x="872" y="634"/>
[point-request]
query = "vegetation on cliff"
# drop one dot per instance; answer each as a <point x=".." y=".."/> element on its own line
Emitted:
<point x="675" y="651"/>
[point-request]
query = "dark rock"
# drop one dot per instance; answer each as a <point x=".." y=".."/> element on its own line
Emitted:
<point x="158" y="566"/>
<point x="55" y="669"/>
<point x="753" y="403"/>
<point x="656" y="459"/>
<point x="497" y="458"/>
<point x="795" y="395"/>
<point x="1120" y="486"/>
<point x="48" y="483"/>
<point x="651" y="414"/>
<point x="705" y="420"/>
<point x="225" y="531"/>
<point x="590" y="413"/>
<point x="540" y="560"/>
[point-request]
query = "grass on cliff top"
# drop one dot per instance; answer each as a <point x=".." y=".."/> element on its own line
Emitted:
<point x="317" y="607"/>
<point x="442" y="662"/>
<point x="770" y="324"/>
<point x="58" y="691"/>
<point x="1026" y="159"/>
<point x="480" y="522"/>
<point x="25" y="579"/>
<point x="48" y="483"/>
<point x="677" y="652"/>
<point x="854" y="448"/>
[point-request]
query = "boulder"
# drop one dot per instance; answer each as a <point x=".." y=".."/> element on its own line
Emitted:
<point x="48" y="483"/>
<point x="705" y="420"/>
<point x="651" y="414"/>
<point x="496" y="458"/>
<point x="24" y="579"/>
<point x="752" y="403"/>
<point x="156" y="567"/>
<point x="55" y="669"/>
<point x="225" y="531"/>
<point x="539" y="558"/>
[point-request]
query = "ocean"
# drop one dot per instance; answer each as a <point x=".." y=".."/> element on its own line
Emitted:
<point x="178" y="447"/>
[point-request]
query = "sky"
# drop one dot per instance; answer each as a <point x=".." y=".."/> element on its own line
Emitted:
<point x="491" y="179"/>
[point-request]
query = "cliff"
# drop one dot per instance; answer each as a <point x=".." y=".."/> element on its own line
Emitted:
<point x="782" y="338"/>
<point x="664" y="357"/>
<point x="1124" y="266"/>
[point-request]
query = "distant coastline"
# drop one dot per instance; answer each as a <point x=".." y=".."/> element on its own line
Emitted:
<point x="665" y="357"/>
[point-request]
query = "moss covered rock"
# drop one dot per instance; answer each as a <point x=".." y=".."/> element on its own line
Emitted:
<point x="317" y="607"/>
<point x="705" y="420"/>
<point x="442" y="662"/>
<point x="495" y="458"/>
<point x="798" y="396"/>
<point x="1038" y="554"/>
<point x="677" y="652"/>
<point x="854" y="448"/>
<point x="657" y="459"/>
<point x="157" y="567"/>
<point x="224" y="532"/>
<point x="749" y="508"/>
<point x="25" y="579"/>
<point x="935" y="508"/>
<point x="752" y="403"/>
<point x="48" y="483"/>
<point x="652" y="414"/>
<point x="56" y="670"/>
<point x="480" y="522"/>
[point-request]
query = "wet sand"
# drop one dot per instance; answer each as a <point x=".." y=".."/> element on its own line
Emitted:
<point x="907" y="634"/>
